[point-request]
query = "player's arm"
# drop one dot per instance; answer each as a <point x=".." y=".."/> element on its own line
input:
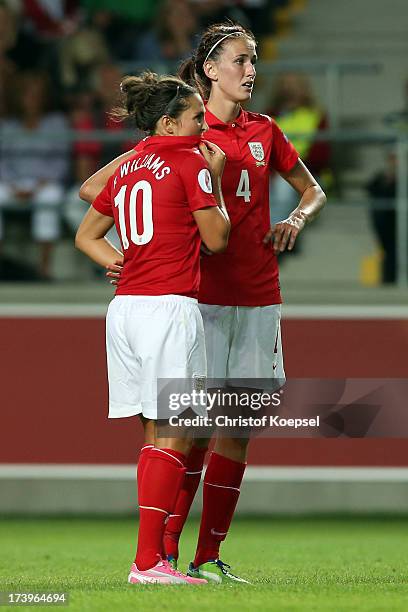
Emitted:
<point x="214" y="228"/>
<point x="213" y="222"/>
<point x="95" y="183"/>
<point x="90" y="238"/>
<point x="312" y="200"/>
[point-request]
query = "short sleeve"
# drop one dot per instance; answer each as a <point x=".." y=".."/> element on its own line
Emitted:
<point x="103" y="201"/>
<point x="283" y="155"/>
<point x="196" y="178"/>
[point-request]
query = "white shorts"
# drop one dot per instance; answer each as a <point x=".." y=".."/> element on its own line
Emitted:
<point x="150" y="337"/>
<point x="243" y="342"/>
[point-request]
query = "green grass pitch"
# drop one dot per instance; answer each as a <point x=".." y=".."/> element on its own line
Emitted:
<point x="295" y="564"/>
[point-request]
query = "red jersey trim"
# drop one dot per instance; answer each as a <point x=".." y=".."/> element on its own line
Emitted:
<point x="193" y="294"/>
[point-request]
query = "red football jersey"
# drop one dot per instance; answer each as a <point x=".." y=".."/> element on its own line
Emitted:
<point x="152" y="196"/>
<point x="246" y="274"/>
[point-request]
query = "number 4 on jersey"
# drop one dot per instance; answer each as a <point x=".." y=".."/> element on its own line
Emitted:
<point x="243" y="189"/>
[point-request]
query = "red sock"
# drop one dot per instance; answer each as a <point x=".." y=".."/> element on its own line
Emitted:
<point x="144" y="453"/>
<point x="220" y="495"/>
<point x="176" y="522"/>
<point x="163" y="475"/>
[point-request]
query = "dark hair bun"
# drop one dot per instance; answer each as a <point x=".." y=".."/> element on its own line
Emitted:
<point x="148" y="97"/>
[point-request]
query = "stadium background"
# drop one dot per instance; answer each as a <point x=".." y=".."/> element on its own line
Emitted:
<point x="58" y="452"/>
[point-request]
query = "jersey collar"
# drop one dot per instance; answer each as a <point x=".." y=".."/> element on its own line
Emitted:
<point x="172" y="141"/>
<point x="214" y="122"/>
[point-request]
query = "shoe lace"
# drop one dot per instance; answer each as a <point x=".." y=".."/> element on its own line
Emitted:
<point x="172" y="571"/>
<point x="224" y="567"/>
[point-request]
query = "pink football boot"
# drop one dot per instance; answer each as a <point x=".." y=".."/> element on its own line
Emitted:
<point x="162" y="573"/>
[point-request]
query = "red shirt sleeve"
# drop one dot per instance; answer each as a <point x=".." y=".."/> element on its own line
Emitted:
<point x="283" y="155"/>
<point x="196" y="178"/>
<point x="103" y="201"/>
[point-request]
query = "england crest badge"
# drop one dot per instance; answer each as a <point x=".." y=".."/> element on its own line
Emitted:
<point x="257" y="151"/>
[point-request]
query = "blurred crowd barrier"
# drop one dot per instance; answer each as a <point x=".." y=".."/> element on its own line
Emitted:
<point x="361" y="235"/>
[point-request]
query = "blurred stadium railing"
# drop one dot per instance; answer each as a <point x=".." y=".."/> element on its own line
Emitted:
<point x="349" y="205"/>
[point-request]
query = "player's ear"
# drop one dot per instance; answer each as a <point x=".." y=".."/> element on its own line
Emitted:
<point x="210" y="69"/>
<point x="166" y="126"/>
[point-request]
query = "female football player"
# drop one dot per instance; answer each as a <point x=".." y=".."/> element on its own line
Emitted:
<point x="239" y="292"/>
<point x="161" y="201"/>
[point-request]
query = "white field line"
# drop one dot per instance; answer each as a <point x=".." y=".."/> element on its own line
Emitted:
<point x="252" y="474"/>
<point x="288" y="312"/>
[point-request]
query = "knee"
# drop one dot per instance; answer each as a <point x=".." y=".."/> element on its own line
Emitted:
<point x="181" y="445"/>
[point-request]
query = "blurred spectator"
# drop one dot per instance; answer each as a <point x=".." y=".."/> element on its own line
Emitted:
<point x="107" y="85"/>
<point x="382" y="189"/>
<point x="140" y="12"/>
<point x="254" y="14"/>
<point x="118" y="31"/>
<point x="296" y="112"/>
<point x="18" y="45"/>
<point x="42" y="24"/>
<point x="399" y="119"/>
<point x="8" y="34"/>
<point x="33" y="167"/>
<point x="122" y="23"/>
<point x="52" y="19"/>
<point x="91" y="112"/>
<point x="172" y="36"/>
<point x="81" y="54"/>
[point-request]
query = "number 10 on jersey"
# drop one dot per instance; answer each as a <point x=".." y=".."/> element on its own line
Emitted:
<point x="128" y="204"/>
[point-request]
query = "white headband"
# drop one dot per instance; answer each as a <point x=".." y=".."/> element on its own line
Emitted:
<point x="218" y="42"/>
